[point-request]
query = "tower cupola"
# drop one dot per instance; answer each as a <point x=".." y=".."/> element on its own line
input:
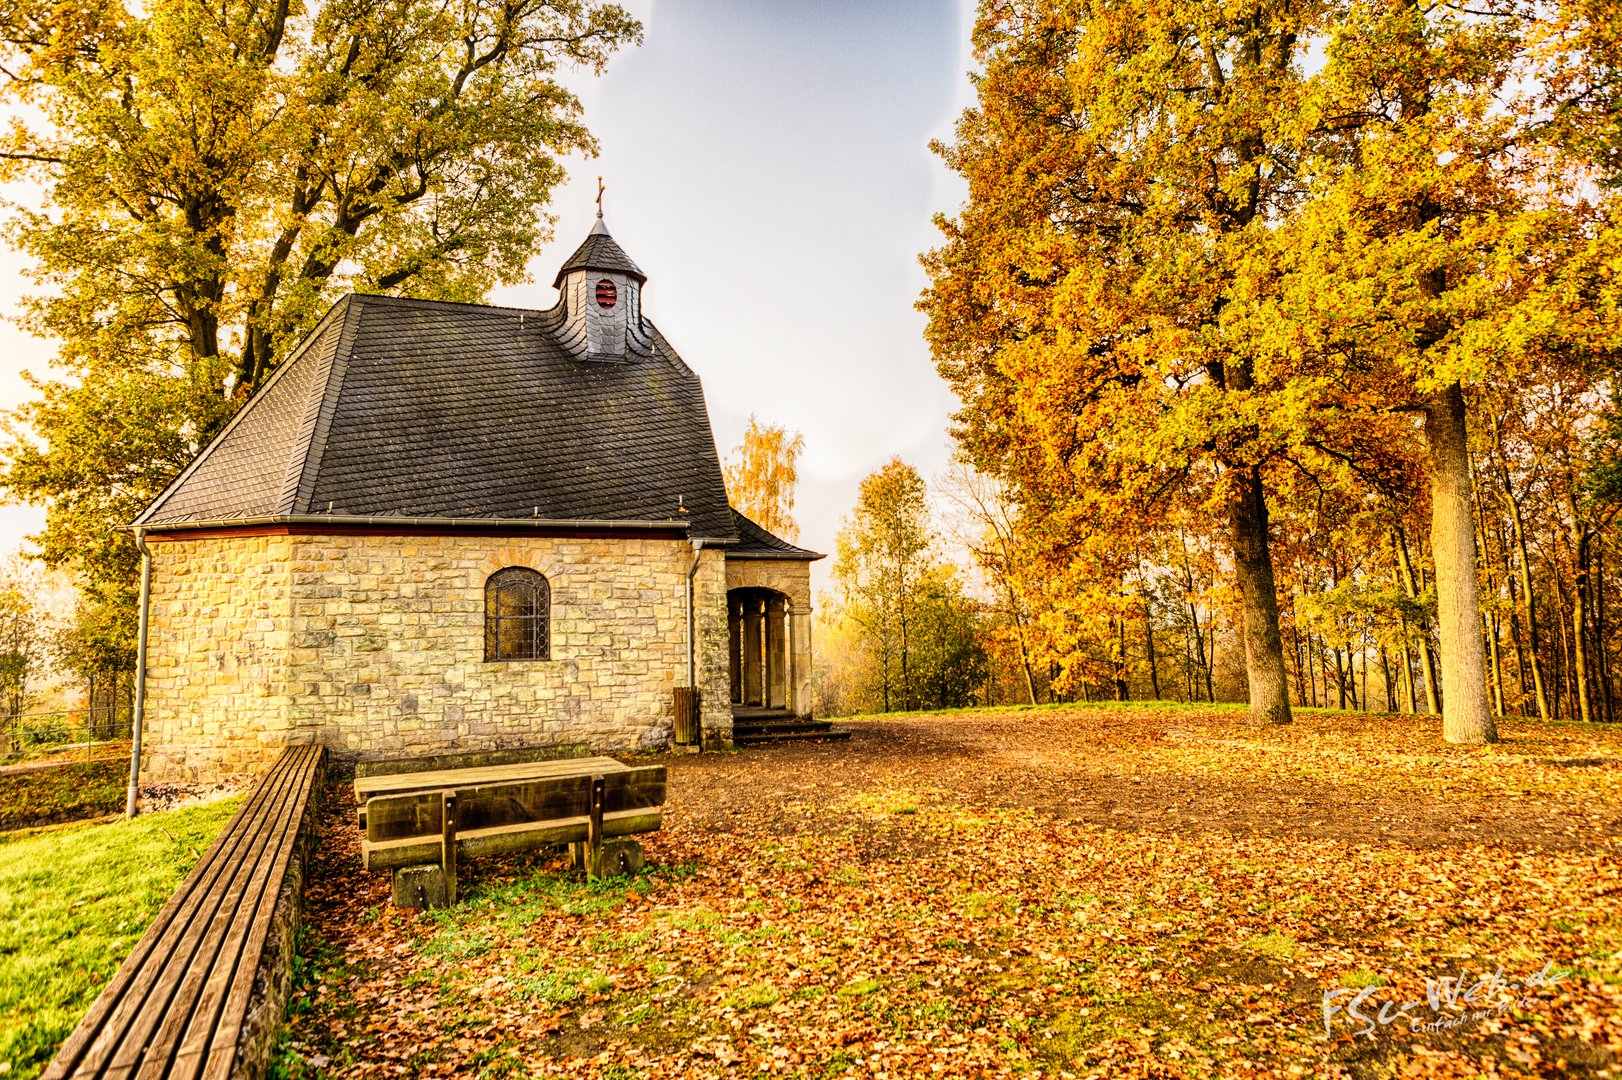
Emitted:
<point x="601" y="289"/>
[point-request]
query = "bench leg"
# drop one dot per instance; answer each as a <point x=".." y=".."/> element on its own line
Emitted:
<point x="594" y="830"/>
<point x="447" y="860"/>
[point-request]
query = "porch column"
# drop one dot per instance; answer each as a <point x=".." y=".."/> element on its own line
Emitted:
<point x="800" y="693"/>
<point x="752" y="653"/>
<point x="735" y="649"/>
<point x="791" y="647"/>
<point x="777" y="616"/>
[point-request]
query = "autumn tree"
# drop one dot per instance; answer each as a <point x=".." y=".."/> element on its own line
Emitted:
<point x="216" y="175"/>
<point x="761" y="475"/>
<point x="24" y="633"/>
<point x="1092" y="305"/>
<point x="990" y="530"/>
<point x="1435" y="259"/>
<point x="882" y="559"/>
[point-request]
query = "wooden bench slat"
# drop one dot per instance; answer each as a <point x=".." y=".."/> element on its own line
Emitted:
<point x="391" y="817"/>
<point x="215" y="963"/>
<point x="392" y="783"/>
<point x="504" y="839"/>
<point x="214" y="1042"/>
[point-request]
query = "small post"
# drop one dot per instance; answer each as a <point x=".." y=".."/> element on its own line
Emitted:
<point x="447" y="818"/>
<point x="138" y="709"/>
<point x="594" y="830"/>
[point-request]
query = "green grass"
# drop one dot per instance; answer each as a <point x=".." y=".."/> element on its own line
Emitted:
<point x="1274" y="946"/>
<point x="73" y="901"/>
<point x="63" y="792"/>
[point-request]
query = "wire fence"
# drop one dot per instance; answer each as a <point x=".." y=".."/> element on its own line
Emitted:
<point x="33" y="735"/>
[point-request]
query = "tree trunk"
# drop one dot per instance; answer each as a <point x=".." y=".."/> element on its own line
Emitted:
<point x="1489" y="618"/>
<point x="1364" y="654"/>
<point x="1340" y="682"/>
<point x="1495" y="658"/>
<point x="1253" y="566"/>
<point x="1579" y="611"/>
<point x="1149" y="648"/>
<point x="1122" y="691"/>
<point x="1201" y="671"/>
<point x="1602" y="647"/>
<point x="1385" y="673"/>
<point x="1466" y="716"/>
<point x="1427" y="665"/>
<point x="1295" y="654"/>
<point x="1518" y="525"/>
<point x="1408" y="671"/>
<point x="1313" y="670"/>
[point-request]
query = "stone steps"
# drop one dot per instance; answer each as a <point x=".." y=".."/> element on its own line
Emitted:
<point x="755" y="729"/>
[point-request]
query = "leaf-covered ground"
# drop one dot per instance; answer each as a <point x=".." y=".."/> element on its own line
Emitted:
<point x="1058" y="892"/>
<point x="41" y="793"/>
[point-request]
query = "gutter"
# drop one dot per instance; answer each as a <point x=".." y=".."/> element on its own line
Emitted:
<point x="395" y="519"/>
<point x="138" y="715"/>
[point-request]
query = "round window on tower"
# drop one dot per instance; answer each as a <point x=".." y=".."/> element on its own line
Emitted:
<point x="606" y="294"/>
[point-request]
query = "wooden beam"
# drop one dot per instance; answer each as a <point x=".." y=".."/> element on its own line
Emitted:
<point x="447" y="842"/>
<point x="506" y="839"/>
<point x="594" y="830"/>
<point x="394" y="783"/>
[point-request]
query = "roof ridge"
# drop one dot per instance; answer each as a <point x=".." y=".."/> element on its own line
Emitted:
<point x="425" y="301"/>
<point x="237" y="418"/>
<point x="309" y="451"/>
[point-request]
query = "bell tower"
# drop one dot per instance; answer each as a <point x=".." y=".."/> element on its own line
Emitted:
<point x="601" y="290"/>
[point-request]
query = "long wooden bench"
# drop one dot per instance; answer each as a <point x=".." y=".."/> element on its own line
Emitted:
<point x="419" y="820"/>
<point x="180" y="1005"/>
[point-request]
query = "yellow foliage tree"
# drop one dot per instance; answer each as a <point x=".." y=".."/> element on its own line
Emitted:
<point x="761" y="475"/>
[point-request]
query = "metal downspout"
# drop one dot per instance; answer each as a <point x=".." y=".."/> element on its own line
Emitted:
<point x="139" y="712"/>
<point x="692" y="662"/>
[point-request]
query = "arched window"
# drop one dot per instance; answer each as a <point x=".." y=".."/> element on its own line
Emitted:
<point x="517" y="615"/>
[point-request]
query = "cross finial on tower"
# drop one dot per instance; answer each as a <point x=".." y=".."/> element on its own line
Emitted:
<point x="599" y="196"/>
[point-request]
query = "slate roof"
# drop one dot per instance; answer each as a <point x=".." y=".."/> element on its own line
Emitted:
<point x="756" y="543"/>
<point x="599" y="252"/>
<point x="413" y="408"/>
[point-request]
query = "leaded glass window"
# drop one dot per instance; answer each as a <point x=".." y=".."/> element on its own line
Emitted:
<point x="517" y="615"/>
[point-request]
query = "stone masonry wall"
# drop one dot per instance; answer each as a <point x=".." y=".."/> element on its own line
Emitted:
<point x="217" y="681"/>
<point x="713" y="641"/>
<point x="374" y="647"/>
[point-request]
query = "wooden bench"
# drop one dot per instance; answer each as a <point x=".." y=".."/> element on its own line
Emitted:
<point x="420" y="824"/>
<point x="180" y="1004"/>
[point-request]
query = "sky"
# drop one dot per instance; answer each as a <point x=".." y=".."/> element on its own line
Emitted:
<point x="767" y="166"/>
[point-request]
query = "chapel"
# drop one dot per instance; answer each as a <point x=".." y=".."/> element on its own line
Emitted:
<point x="442" y="528"/>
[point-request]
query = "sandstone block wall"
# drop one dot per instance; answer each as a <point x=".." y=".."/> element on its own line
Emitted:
<point x="217" y="685"/>
<point x="374" y="647"/>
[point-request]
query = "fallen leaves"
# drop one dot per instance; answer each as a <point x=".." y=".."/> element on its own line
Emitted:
<point x="992" y="894"/>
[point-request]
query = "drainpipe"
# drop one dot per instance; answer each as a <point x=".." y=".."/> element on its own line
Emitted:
<point x="692" y="662"/>
<point x="139" y="713"/>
